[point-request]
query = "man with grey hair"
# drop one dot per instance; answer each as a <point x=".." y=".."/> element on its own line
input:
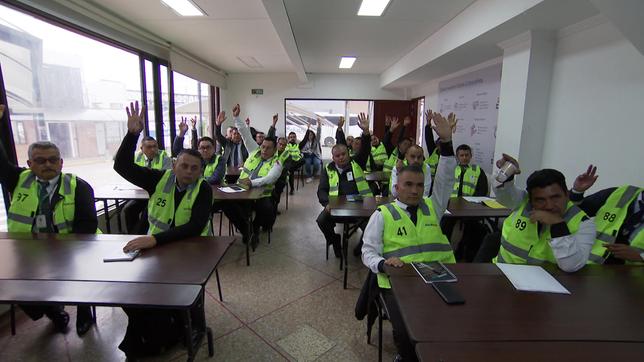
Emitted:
<point x="45" y="200"/>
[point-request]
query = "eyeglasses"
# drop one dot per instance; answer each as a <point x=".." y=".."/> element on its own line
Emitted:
<point x="42" y="160"/>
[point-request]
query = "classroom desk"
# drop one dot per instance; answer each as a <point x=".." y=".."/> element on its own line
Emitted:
<point x="69" y="269"/>
<point x="347" y="213"/>
<point x="605" y="305"/>
<point x="459" y="208"/>
<point x="552" y="351"/>
<point x="118" y="193"/>
<point x="252" y="194"/>
<point x="80" y="257"/>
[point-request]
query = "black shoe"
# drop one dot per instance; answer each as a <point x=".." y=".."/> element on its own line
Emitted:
<point x="291" y="192"/>
<point x="60" y="318"/>
<point x="254" y="240"/>
<point x="245" y="239"/>
<point x="84" y="320"/>
<point x="279" y="212"/>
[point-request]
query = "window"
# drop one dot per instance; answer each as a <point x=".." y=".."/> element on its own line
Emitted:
<point x="300" y="112"/>
<point x="191" y="100"/>
<point x="68" y="89"/>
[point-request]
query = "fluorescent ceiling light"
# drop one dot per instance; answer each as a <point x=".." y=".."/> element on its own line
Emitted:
<point x="372" y="7"/>
<point x="347" y="62"/>
<point x="184" y="7"/>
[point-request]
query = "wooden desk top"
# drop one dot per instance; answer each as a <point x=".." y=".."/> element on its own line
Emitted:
<point x="460" y="208"/>
<point x="380" y="176"/>
<point x="120" y="193"/>
<point x="340" y="207"/>
<point x="530" y="351"/>
<point x="253" y="194"/>
<point x="99" y="293"/>
<point x="605" y="305"/>
<point x="79" y="257"/>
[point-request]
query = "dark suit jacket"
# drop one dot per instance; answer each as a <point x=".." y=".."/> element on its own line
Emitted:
<point x="228" y="146"/>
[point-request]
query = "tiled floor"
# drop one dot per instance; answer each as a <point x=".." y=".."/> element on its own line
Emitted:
<point x="288" y="305"/>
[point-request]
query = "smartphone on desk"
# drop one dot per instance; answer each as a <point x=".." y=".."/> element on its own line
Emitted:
<point x="122" y="256"/>
<point x="354" y="198"/>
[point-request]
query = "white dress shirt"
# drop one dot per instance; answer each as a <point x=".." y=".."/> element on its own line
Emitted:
<point x="571" y="251"/>
<point x="372" y="236"/>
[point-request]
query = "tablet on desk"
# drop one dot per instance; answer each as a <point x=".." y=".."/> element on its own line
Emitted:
<point x="122" y="256"/>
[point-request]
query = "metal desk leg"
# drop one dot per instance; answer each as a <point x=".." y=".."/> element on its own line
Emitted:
<point x="118" y="215"/>
<point x="342" y="241"/>
<point x="188" y="335"/>
<point x="287" y="191"/>
<point x="218" y="285"/>
<point x="250" y="226"/>
<point x="108" y="229"/>
<point x="345" y="252"/>
<point x="13" y="319"/>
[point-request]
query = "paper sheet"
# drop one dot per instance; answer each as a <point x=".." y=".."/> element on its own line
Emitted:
<point x="230" y="190"/>
<point x="531" y="278"/>
<point x="476" y="199"/>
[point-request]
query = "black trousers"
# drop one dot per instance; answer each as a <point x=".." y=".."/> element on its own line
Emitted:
<point x="295" y="165"/>
<point x="150" y="331"/>
<point x="136" y="217"/>
<point x="326" y="223"/>
<point x="401" y="339"/>
<point x="37" y="311"/>
<point x="238" y="213"/>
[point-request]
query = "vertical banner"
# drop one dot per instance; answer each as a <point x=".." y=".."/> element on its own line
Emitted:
<point x="474" y="98"/>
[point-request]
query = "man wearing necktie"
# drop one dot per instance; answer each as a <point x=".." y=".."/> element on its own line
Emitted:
<point x="407" y="230"/>
<point x="45" y="200"/>
<point x="261" y="169"/>
<point x="619" y="219"/>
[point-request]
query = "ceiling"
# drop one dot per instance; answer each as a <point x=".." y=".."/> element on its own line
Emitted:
<point x="231" y="29"/>
<point x="325" y="30"/>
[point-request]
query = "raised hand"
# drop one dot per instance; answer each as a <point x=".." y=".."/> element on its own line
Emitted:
<point x="406" y="121"/>
<point x="387" y="120"/>
<point x="363" y="122"/>
<point x="135" y="118"/>
<point x="587" y="179"/>
<point x="247" y="121"/>
<point x="505" y="158"/>
<point x="441" y="127"/>
<point x="545" y="217"/>
<point x="341" y="122"/>
<point x="183" y="127"/>
<point x="395" y="123"/>
<point x="236" y="110"/>
<point x="221" y="117"/>
<point x="428" y="116"/>
<point x="275" y="118"/>
<point x="451" y="118"/>
<point x="193" y="122"/>
<point x="2" y="107"/>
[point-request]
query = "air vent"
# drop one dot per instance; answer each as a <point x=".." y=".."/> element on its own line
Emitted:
<point x="250" y="62"/>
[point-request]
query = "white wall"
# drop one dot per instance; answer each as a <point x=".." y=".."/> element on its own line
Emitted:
<point x="595" y="113"/>
<point x="277" y="87"/>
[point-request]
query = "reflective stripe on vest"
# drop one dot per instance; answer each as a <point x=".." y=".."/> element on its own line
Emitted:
<point x="470" y="180"/>
<point x="161" y="211"/>
<point x="157" y="162"/>
<point x="210" y="168"/>
<point x="521" y="242"/>
<point x="432" y="161"/>
<point x="294" y="151"/>
<point x="609" y="220"/>
<point x="390" y="163"/>
<point x="24" y="204"/>
<point x="254" y="159"/>
<point x="379" y="154"/>
<point x="422" y="242"/>
<point x="358" y="177"/>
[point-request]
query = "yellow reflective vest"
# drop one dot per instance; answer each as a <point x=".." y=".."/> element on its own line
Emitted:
<point x="521" y="241"/>
<point x="161" y="210"/>
<point x="157" y="162"/>
<point x="470" y="179"/>
<point x="358" y="177"/>
<point x="24" y="204"/>
<point x="423" y="242"/>
<point x="253" y="161"/>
